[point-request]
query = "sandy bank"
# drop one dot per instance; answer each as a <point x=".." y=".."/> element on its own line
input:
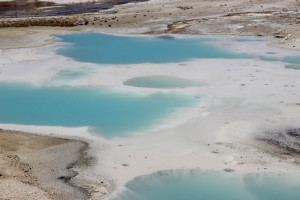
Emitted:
<point x="42" y="167"/>
<point x="266" y="18"/>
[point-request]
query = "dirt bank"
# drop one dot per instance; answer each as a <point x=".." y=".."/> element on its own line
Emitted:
<point x="39" y="167"/>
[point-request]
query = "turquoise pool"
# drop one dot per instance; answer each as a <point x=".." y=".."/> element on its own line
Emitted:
<point x="107" y="112"/>
<point x="112" y="49"/>
<point x="203" y="185"/>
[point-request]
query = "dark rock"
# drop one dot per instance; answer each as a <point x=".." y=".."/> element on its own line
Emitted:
<point x="166" y="37"/>
<point x="65" y="178"/>
<point x="229" y="170"/>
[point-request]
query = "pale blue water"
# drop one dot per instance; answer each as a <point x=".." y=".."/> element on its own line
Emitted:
<point x="292" y="59"/>
<point x="289" y="59"/>
<point x="112" y="49"/>
<point x="71" y="75"/>
<point x="200" y="185"/>
<point x="118" y="114"/>
<point x="160" y="82"/>
<point x="296" y="67"/>
<point x="109" y="113"/>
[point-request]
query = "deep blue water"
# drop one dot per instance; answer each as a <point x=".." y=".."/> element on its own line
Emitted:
<point x="160" y="82"/>
<point x="200" y="185"/>
<point x="109" y="113"/>
<point x="112" y="49"/>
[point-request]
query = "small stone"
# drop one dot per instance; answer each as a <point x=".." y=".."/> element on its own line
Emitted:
<point x="229" y="170"/>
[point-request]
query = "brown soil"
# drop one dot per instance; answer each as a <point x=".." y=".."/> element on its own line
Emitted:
<point x="37" y="167"/>
<point x="277" y="19"/>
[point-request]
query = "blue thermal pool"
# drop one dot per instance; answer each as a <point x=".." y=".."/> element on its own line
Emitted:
<point x="112" y="49"/>
<point x="108" y="112"/>
<point x="205" y="185"/>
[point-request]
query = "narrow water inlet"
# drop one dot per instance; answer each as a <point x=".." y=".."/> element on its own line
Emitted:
<point x="161" y="82"/>
<point x="295" y="67"/>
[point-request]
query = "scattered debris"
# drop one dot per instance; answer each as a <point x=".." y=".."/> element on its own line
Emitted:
<point x="185" y="7"/>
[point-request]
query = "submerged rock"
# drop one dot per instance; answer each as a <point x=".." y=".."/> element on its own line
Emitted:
<point x="229" y="170"/>
<point x="166" y="37"/>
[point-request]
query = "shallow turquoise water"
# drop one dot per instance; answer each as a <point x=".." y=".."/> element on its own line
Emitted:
<point x="71" y="75"/>
<point x="159" y="82"/>
<point x="199" y="185"/>
<point x="112" y="49"/>
<point x="109" y="113"/>
<point x="296" y="67"/>
<point x="292" y="59"/>
<point x="288" y="59"/>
